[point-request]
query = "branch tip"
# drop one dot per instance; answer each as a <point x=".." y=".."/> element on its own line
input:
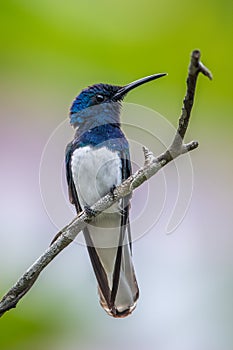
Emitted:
<point x="190" y="146"/>
<point x="204" y="70"/>
<point x="148" y="155"/>
<point x="198" y="65"/>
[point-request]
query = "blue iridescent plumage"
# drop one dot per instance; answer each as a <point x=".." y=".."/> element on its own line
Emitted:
<point x="87" y="97"/>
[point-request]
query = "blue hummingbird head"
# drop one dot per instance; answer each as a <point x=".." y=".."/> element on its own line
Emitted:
<point x="100" y="103"/>
<point x="96" y="101"/>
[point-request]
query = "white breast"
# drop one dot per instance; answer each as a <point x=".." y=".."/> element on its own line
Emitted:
<point x="95" y="172"/>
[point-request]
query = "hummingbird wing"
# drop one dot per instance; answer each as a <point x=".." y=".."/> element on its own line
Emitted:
<point x="112" y="264"/>
<point x="71" y="187"/>
<point x="73" y="197"/>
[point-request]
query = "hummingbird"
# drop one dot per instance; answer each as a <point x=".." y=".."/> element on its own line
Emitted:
<point x="97" y="160"/>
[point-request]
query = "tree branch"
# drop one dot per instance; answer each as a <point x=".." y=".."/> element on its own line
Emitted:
<point x="151" y="166"/>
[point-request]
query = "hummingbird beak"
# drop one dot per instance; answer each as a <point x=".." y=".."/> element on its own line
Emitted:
<point x="125" y="89"/>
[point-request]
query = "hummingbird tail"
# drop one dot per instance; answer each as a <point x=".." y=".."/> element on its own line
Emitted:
<point x="125" y="292"/>
<point x="113" y="267"/>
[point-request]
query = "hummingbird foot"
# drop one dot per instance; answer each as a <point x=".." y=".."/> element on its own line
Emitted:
<point x="90" y="212"/>
<point x="112" y="189"/>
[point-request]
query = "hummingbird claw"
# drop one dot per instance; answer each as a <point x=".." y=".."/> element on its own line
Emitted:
<point x="112" y="189"/>
<point x="90" y="212"/>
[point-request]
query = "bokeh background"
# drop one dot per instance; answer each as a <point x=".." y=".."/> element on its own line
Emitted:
<point x="50" y="50"/>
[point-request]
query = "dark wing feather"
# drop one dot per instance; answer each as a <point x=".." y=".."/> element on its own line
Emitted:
<point x="97" y="266"/>
<point x="73" y="197"/>
<point x="71" y="187"/>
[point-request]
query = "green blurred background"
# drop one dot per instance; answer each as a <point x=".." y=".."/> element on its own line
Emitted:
<point x="50" y="50"/>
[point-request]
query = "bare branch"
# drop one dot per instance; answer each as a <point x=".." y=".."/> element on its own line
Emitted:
<point x="195" y="68"/>
<point x="151" y="166"/>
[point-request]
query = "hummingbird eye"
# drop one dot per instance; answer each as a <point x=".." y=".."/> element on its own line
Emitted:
<point x="99" y="98"/>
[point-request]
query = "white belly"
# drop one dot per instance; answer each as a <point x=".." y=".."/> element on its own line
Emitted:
<point x="95" y="172"/>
